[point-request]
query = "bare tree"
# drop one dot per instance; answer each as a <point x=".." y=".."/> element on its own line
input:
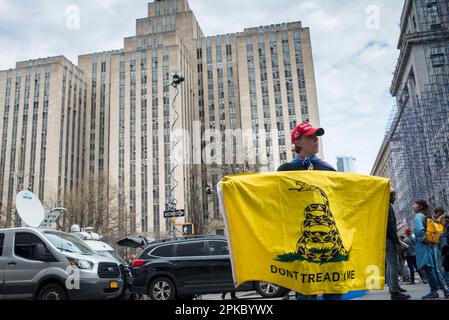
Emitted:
<point x="201" y="192"/>
<point x="8" y="218"/>
<point x="196" y="195"/>
<point x="92" y="204"/>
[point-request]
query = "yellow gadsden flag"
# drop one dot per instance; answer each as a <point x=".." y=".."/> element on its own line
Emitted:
<point x="310" y="231"/>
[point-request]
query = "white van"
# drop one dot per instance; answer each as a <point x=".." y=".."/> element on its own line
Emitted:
<point x="45" y="264"/>
<point x="94" y="241"/>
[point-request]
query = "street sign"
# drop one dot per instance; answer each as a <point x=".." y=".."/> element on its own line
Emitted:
<point x="174" y="214"/>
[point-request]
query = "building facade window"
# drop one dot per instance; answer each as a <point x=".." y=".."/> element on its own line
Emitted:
<point x="155" y="144"/>
<point x="101" y="153"/>
<point x="173" y="23"/>
<point x="301" y="75"/>
<point x="265" y="95"/>
<point x="253" y="95"/>
<point x="231" y="97"/>
<point x="432" y="10"/>
<point x="277" y="91"/>
<point x="61" y="132"/>
<point x="93" y="113"/>
<point x="166" y="111"/>
<point x="5" y="131"/>
<point x="132" y="140"/>
<point x="144" y="142"/>
<point x="289" y="80"/>
<point x="15" y="121"/>
<point x="68" y="109"/>
<point x="44" y="130"/>
<point x="34" y="126"/>
<point x="23" y="139"/>
<point x="121" y="157"/>
<point x="438" y="60"/>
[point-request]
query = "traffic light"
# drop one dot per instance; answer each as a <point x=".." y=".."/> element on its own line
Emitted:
<point x="188" y="229"/>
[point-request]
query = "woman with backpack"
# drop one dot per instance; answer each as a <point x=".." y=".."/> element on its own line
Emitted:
<point x="426" y="254"/>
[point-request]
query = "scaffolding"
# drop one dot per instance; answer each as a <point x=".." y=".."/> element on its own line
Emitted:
<point x="419" y="132"/>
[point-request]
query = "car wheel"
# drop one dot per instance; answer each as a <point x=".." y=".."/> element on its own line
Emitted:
<point x="268" y="290"/>
<point x="52" y="291"/>
<point x="162" y="289"/>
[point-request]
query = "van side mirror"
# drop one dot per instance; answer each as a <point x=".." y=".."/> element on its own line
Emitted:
<point x="41" y="254"/>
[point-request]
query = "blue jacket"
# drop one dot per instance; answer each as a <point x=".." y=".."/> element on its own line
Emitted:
<point x="426" y="255"/>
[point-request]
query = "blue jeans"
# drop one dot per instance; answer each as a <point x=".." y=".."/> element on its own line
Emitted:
<point x="445" y="275"/>
<point x="434" y="278"/>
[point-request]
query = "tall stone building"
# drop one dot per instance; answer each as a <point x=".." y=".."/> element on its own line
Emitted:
<point x="43" y="110"/>
<point x="415" y="151"/>
<point x="346" y="164"/>
<point x="154" y="146"/>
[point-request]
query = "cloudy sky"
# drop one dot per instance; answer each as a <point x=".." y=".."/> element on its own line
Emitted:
<point x="354" y="46"/>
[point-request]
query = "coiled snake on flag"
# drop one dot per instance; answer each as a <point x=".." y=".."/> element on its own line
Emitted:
<point x="321" y="241"/>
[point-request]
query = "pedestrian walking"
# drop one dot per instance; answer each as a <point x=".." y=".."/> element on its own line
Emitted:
<point x="439" y="216"/>
<point x="444" y="250"/>
<point x="393" y="246"/>
<point x="410" y="257"/>
<point x="403" y="269"/>
<point x="426" y="254"/>
<point x="305" y="139"/>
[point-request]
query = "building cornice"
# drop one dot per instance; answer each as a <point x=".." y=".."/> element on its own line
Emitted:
<point x="380" y="155"/>
<point x="410" y="40"/>
<point x="405" y="13"/>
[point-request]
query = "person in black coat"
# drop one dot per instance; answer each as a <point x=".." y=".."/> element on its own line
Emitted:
<point x="393" y="247"/>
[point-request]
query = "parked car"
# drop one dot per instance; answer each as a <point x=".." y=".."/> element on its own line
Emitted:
<point x="38" y="264"/>
<point x="184" y="267"/>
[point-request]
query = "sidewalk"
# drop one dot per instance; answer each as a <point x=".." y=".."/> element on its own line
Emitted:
<point x="416" y="291"/>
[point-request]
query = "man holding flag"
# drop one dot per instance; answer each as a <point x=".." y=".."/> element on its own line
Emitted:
<point x="307" y="228"/>
<point x="306" y="146"/>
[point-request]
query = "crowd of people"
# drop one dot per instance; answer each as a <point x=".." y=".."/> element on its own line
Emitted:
<point x="423" y="248"/>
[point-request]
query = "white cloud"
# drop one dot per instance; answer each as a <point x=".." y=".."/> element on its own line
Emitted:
<point x="353" y="63"/>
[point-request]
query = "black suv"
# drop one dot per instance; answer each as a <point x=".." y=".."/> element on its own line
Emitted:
<point x="184" y="267"/>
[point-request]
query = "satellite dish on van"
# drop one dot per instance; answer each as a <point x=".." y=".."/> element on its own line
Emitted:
<point x="29" y="208"/>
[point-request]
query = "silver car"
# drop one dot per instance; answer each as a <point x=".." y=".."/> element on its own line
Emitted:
<point x="46" y="264"/>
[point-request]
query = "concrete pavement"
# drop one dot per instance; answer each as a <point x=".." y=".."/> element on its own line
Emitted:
<point x="416" y="291"/>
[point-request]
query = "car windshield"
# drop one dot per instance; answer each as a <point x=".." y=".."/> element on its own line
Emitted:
<point x="112" y="254"/>
<point x="67" y="242"/>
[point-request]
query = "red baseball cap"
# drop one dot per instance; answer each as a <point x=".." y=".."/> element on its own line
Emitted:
<point x="306" y="129"/>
